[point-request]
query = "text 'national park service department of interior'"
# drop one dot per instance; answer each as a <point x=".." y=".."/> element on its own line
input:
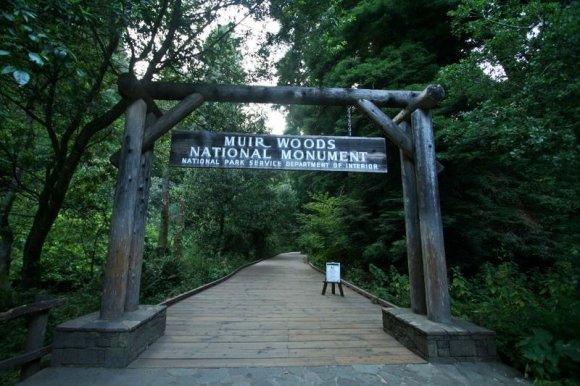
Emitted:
<point x="285" y="152"/>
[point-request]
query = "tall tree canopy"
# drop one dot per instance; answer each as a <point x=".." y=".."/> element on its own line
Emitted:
<point x="508" y="135"/>
<point x="58" y="89"/>
<point x="377" y="44"/>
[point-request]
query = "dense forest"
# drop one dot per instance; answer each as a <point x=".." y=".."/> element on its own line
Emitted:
<point x="507" y="134"/>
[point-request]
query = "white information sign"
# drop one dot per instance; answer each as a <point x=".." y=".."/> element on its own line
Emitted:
<point x="333" y="272"/>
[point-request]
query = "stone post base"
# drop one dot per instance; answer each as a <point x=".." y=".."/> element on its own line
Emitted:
<point x="91" y="342"/>
<point x="438" y="342"/>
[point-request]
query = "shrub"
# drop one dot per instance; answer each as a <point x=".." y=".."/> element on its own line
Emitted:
<point x="391" y="286"/>
<point x="534" y="314"/>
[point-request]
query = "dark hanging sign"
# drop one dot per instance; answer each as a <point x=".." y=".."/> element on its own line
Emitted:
<point x="204" y="149"/>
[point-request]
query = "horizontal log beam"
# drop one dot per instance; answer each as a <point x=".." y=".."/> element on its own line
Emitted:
<point x="133" y="90"/>
<point x="267" y="94"/>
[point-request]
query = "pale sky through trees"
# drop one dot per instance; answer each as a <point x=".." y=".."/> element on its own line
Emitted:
<point x="255" y="32"/>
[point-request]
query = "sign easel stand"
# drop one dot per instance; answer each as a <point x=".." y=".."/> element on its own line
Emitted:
<point x="333" y="277"/>
<point x="333" y="283"/>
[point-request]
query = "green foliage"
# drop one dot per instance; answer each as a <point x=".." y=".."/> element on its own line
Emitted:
<point x="510" y="134"/>
<point x="366" y="44"/>
<point x="531" y="313"/>
<point x="168" y="276"/>
<point x="14" y="338"/>
<point x="329" y="225"/>
<point x="79" y="302"/>
<point x="162" y="277"/>
<point x="507" y="134"/>
<point x="241" y="216"/>
<point x="13" y="334"/>
<point x="547" y="357"/>
<point x="391" y="286"/>
<point x="59" y="62"/>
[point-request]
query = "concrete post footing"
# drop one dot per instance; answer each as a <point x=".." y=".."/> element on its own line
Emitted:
<point x="438" y="342"/>
<point x="91" y="342"/>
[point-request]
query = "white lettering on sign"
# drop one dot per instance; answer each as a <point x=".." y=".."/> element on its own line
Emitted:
<point x="342" y="156"/>
<point x="309" y="143"/>
<point x="245" y="141"/>
<point x="262" y="151"/>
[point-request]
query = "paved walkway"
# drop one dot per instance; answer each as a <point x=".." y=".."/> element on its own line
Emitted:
<point x="269" y="325"/>
<point x="464" y="374"/>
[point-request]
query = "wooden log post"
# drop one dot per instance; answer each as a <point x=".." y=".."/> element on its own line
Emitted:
<point x="431" y="227"/>
<point x="166" y="123"/>
<point x="414" y="253"/>
<point x="138" y="240"/>
<point x="34" y="341"/>
<point x="117" y="267"/>
<point x="37" y="315"/>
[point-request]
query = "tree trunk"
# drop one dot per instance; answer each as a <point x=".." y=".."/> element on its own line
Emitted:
<point x="179" y="228"/>
<point x="46" y="214"/>
<point x="123" y="217"/>
<point x="259" y="241"/>
<point x="430" y="222"/>
<point x="6" y="235"/>
<point x="54" y="191"/>
<point x="221" y="242"/>
<point x="162" y="242"/>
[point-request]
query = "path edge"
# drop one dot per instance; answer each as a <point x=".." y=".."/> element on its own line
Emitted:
<point x="178" y="298"/>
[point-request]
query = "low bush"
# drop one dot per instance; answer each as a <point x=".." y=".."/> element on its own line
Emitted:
<point x="535" y="316"/>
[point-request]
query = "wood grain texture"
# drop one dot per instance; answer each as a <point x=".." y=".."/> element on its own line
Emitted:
<point x="132" y="88"/>
<point x="272" y="314"/>
<point x="429" y="98"/>
<point x="392" y="131"/>
<point x="412" y="231"/>
<point x="30" y="309"/>
<point x="121" y="233"/>
<point x="165" y="123"/>
<point x="138" y="240"/>
<point x="431" y="225"/>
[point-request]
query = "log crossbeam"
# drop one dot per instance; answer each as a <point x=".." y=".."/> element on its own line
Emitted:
<point x="193" y="95"/>
<point x="128" y="86"/>
<point x="134" y="90"/>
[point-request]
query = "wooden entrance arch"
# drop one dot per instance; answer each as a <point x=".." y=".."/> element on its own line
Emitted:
<point x="411" y="130"/>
